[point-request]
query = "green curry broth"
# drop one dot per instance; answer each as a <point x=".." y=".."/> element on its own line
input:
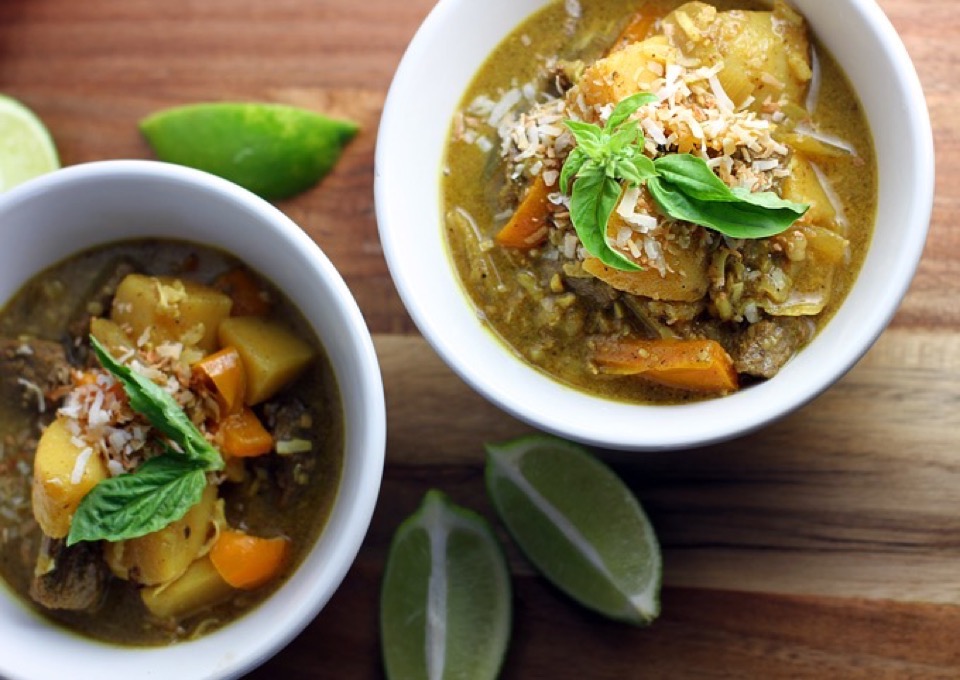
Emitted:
<point x="473" y="187"/>
<point x="40" y="309"/>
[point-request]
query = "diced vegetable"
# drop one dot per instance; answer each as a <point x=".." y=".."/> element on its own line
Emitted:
<point x="249" y="297"/>
<point x="527" y="227"/>
<point x="803" y="186"/>
<point x="684" y="281"/>
<point x="164" y="555"/>
<point x="61" y="478"/>
<point x="201" y="586"/>
<point x="626" y="72"/>
<point x="246" y="561"/>
<point x="225" y="371"/>
<point x="827" y="244"/>
<point x="242" y="435"/>
<point x="272" y="355"/>
<point x="110" y="335"/>
<point x="765" y="55"/>
<point x="693" y="365"/>
<point x="173" y="310"/>
<point x="635" y="31"/>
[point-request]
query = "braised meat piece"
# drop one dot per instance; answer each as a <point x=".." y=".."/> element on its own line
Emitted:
<point x="69" y="578"/>
<point x="32" y="368"/>
<point x="766" y="346"/>
<point x="292" y="425"/>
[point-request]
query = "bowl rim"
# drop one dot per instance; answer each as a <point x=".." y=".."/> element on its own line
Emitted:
<point x="367" y="437"/>
<point x="650" y="427"/>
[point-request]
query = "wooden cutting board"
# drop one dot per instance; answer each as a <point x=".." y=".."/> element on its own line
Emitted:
<point x="825" y="546"/>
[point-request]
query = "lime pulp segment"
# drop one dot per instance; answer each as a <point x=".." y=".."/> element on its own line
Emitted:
<point x="26" y="148"/>
<point x="445" y="606"/>
<point x="579" y="524"/>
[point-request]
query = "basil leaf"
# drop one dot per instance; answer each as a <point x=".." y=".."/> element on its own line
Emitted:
<point x="589" y="137"/>
<point x="163" y="412"/>
<point x="624" y="169"/>
<point x="736" y="219"/>
<point x="161" y="491"/>
<point x="768" y="199"/>
<point x="627" y="136"/>
<point x="644" y="167"/>
<point x="594" y="198"/>
<point x="575" y="160"/>
<point x="692" y="176"/>
<point x="628" y="107"/>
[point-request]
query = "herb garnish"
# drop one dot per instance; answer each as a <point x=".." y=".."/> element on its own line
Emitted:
<point x="682" y="185"/>
<point x="162" y="489"/>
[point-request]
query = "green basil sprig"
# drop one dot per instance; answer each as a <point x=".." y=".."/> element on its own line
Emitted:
<point x="162" y="489"/>
<point x="682" y="185"/>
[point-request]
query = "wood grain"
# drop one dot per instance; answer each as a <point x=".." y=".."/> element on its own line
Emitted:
<point x="825" y="546"/>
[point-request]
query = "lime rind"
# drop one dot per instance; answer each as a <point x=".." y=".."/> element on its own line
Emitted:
<point x="446" y="598"/>
<point x="26" y="147"/>
<point x="579" y="525"/>
<point x="275" y="151"/>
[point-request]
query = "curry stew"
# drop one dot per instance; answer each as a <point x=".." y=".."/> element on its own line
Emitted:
<point x="235" y="357"/>
<point x="742" y="87"/>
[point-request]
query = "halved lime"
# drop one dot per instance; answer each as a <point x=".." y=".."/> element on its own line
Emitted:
<point x="26" y="149"/>
<point x="579" y="524"/>
<point x="445" y="607"/>
<point x="273" y="150"/>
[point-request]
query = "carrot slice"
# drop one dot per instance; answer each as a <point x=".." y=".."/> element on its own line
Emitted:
<point x="692" y="365"/>
<point x="246" y="561"/>
<point x="528" y="226"/>
<point x="249" y="297"/>
<point x="635" y="31"/>
<point x="242" y="435"/>
<point x="225" y="371"/>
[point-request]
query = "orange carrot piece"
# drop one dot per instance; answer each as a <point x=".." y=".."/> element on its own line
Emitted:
<point x="249" y="297"/>
<point x="246" y="561"/>
<point x="242" y="435"/>
<point x="528" y="226"/>
<point x="692" y="365"/>
<point x="635" y="31"/>
<point x="225" y="371"/>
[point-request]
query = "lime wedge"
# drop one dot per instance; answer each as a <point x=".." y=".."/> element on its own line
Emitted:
<point x="274" y="151"/>
<point x="445" y="604"/>
<point x="26" y="149"/>
<point x="579" y="525"/>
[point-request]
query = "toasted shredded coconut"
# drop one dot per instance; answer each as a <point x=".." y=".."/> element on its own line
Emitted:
<point x="80" y="465"/>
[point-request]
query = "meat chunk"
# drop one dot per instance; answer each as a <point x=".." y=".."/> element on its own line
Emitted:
<point x="69" y="578"/>
<point x="767" y="345"/>
<point x="291" y="422"/>
<point x="32" y="368"/>
<point x="595" y="291"/>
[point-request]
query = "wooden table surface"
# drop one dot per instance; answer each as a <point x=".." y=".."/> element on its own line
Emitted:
<point x="825" y="546"/>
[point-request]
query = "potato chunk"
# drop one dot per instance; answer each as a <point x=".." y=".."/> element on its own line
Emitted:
<point x="272" y="355"/>
<point x="172" y="309"/>
<point x="164" y="555"/>
<point x="803" y="186"/>
<point x="626" y="72"/>
<point x="684" y="281"/>
<point x="110" y="335"/>
<point x="764" y="54"/>
<point x="57" y="490"/>
<point x="201" y="586"/>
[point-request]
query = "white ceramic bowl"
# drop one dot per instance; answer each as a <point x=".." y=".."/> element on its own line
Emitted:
<point x="445" y="54"/>
<point x="55" y="216"/>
